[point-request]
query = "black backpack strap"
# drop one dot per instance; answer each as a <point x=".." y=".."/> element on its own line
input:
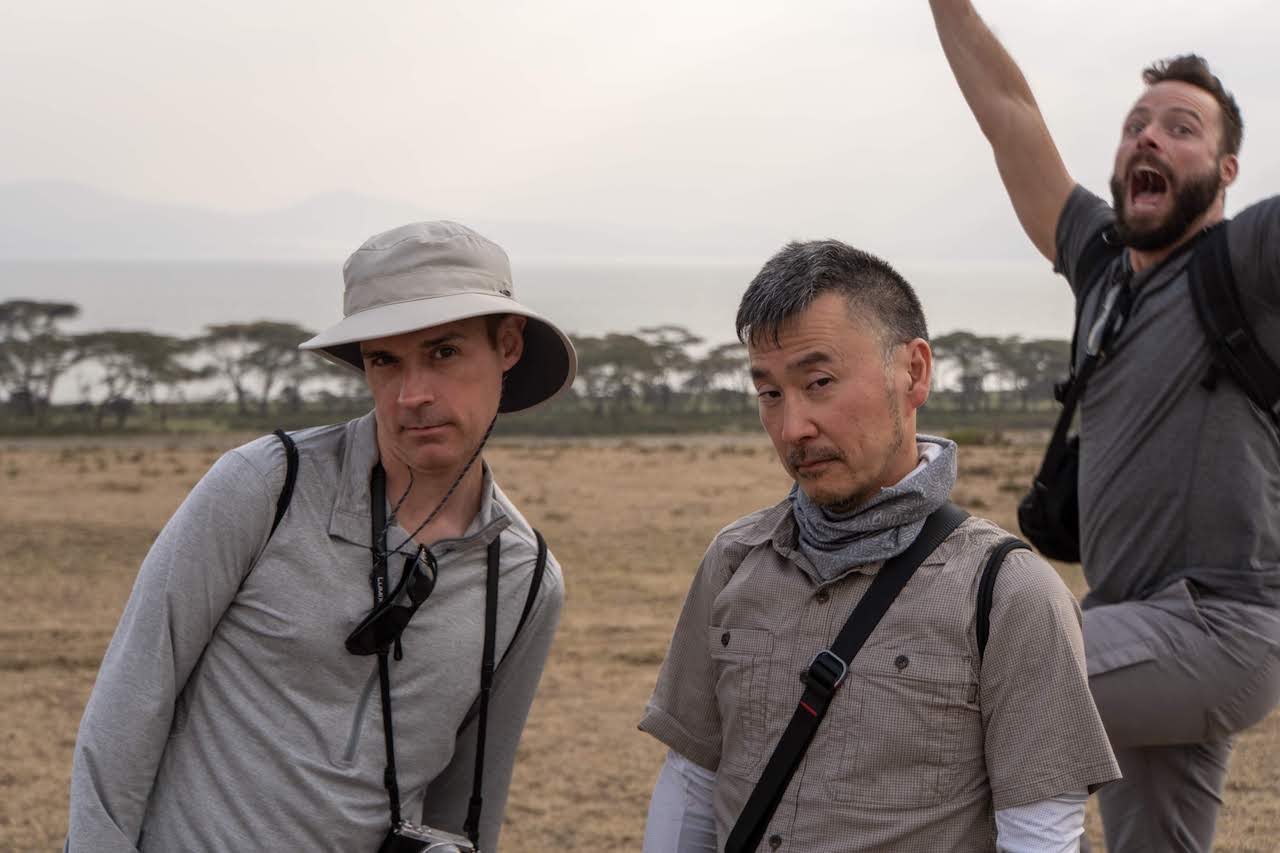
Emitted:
<point x="1237" y="351"/>
<point x="290" y="477"/>
<point x="827" y="672"/>
<point x="535" y="584"/>
<point x="987" y="586"/>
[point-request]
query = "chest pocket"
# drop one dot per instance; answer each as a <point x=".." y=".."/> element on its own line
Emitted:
<point x="908" y="730"/>
<point x="743" y="659"/>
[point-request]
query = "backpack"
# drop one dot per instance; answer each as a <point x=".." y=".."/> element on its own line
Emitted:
<point x="1048" y="514"/>
<point x="1238" y="354"/>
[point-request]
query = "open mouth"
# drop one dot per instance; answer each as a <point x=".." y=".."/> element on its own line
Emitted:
<point x="1147" y="187"/>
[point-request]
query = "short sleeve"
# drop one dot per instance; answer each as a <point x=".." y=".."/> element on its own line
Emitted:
<point x="683" y="712"/>
<point x="1043" y="734"/>
<point x="1083" y="216"/>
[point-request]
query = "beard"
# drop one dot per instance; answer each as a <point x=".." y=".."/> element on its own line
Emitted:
<point x="1191" y="199"/>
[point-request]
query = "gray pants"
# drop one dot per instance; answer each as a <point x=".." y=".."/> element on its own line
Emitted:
<point x="1174" y="678"/>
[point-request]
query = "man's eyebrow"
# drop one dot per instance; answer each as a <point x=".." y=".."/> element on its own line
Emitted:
<point x="428" y="343"/>
<point x="810" y="359"/>
<point x="1187" y="111"/>
<point x="375" y="353"/>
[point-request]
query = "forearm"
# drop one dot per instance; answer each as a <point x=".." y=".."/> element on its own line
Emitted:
<point x="681" y="815"/>
<point x="1001" y="100"/>
<point x="989" y="79"/>
<point x="1049" y="826"/>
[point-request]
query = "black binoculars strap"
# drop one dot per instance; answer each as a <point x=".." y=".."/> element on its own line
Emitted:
<point x="828" y="671"/>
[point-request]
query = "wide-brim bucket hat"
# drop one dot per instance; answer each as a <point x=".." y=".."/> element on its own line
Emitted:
<point x="430" y="273"/>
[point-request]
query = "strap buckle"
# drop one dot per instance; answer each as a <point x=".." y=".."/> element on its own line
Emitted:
<point x="827" y="671"/>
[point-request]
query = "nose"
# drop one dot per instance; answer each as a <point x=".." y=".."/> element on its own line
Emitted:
<point x="797" y="425"/>
<point x="416" y="387"/>
<point x="1149" y="137"/>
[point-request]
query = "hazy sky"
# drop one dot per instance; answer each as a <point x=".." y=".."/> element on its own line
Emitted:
<point x="797" y="119"/>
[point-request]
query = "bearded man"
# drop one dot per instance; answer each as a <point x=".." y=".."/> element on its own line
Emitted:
<point x="1179" y="480"/>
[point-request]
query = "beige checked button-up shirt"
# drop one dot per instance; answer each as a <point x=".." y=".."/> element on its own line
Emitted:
<point x="921" y="742"/>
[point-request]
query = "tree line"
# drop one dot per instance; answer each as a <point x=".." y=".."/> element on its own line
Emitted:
<point x="254" y="369"/>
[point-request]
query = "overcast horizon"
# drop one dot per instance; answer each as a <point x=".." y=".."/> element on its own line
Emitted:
<point x="669" y="133"/>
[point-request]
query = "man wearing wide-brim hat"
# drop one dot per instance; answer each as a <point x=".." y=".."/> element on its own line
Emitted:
<point x="335" y="623"/>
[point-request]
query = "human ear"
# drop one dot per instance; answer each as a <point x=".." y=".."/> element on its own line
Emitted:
<point x="511" y="340"/>
<point x="1229" y="169"/>
<point x="919" y="366"/>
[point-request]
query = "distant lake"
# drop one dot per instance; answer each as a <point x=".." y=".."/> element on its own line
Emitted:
<point x="587" y="298"/>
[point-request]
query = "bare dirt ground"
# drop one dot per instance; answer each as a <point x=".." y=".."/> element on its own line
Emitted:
<point x="629" y="521"/>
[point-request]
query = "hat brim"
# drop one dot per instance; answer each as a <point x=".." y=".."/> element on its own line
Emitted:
<point x="545" y="369"/>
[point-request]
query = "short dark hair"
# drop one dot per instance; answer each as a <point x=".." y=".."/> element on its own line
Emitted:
<point x="1193" y="69"/>
<point x="491" y="324"/>
<point x="792" y="279"/>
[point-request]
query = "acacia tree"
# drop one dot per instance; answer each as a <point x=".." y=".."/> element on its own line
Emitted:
<point x="134" y="366"/>
<point x="257" y="353"/>
<point x="34" y="351"/>
<point x="971" y="356"/>
<point x="668" y="359"/>
<point x="722" y="376"/>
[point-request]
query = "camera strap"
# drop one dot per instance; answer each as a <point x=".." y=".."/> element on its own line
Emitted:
<point x="378" y="580"/>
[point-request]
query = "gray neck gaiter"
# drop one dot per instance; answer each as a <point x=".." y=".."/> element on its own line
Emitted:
<point x="884" y="526"/>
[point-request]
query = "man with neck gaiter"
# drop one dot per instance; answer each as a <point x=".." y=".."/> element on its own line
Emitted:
<point x="927" y="742"/>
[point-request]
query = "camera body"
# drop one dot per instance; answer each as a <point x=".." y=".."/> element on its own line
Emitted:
<point x="406" y="837"/>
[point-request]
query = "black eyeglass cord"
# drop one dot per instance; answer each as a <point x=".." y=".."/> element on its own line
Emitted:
<point x="382" y="538"/>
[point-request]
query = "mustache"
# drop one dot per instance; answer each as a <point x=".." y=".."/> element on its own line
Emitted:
<point x="798" y="456"/>
<point x="1146" y="158"/>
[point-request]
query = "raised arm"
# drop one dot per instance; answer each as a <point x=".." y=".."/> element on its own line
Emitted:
<point x="1030" y="166"/>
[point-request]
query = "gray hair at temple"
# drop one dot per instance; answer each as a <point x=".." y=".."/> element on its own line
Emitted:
<point x="792" y="279"/>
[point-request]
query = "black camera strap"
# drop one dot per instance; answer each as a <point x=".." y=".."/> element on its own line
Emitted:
<point x="488" y="668"/>
<point x="827" y="672"/>
<point x="378" y="579"/>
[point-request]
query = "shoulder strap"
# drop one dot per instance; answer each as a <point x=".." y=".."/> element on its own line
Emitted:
<point x="827" y="672"/>
<point x="487" y="670"/>
<point x="290" y="477"/>
<point x="1222" y="316"/>
<point x="987" y="586"/>
<point x="1098" y="253"/>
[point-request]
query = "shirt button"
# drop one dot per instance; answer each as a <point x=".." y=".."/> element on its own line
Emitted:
<point x="901" y="662"/>
<point x="822" y="596"/>
<point x="775" y="841"/>
<point x="724" y="638"/>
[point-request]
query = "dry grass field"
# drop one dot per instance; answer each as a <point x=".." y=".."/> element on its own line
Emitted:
<point x="628" y="519"/>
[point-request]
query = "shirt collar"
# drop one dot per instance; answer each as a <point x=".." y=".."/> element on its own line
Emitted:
<point x="350" y="519"/>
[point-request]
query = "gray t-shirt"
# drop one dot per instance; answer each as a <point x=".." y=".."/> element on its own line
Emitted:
<point x="1176" y="481"/>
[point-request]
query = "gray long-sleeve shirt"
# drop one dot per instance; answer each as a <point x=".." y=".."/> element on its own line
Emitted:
<point x="228" y="715"/>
